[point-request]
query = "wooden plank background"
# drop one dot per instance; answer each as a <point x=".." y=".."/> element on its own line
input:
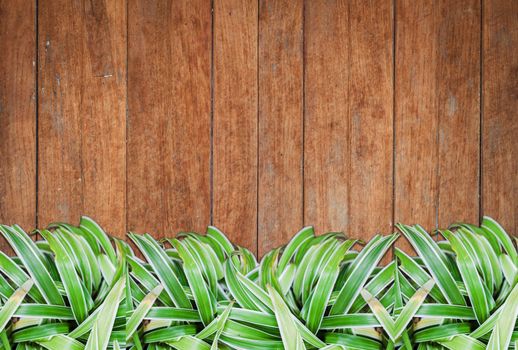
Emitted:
<point x="259" y="116"/>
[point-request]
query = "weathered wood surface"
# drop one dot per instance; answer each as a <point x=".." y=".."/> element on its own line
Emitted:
<point x="280" y="206"/>
<point x="258" y="116"/>
<point x="327" y="129"/>
<point x="437" y="114"/>
<point x="371" y="119"/>
<point x="348" y="126"/>
<point x="169" y="123"/>
<point x="17" y="114"/>
<point x="235" y="134"/>
<point x="82" y="112"/>
<point x="500" y="113"/>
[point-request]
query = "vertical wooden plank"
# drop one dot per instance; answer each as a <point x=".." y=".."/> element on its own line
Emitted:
<point x="370" y="118"/>
<point x="327" y="145"/>
<point x="82" y="112"/>
<point x="169" y="116"/>
<point x="17" y="114"/>
<point x="458" y="75"/>
<point x="235" y="120"/>
<point x="437" y="113"/>
<point x="348" y="146"/>
<point x="280" y="122"/>
<point x="416" y="119"/>
<point x="500" y="106"/>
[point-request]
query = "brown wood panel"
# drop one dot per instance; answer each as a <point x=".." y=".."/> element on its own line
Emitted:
<point x="82" y="112"/>
<point x="326" y="145"/>
<point x="416" y="121"/>
<point x="169" y="116"/>
<point x="235" y="120"/>
<point x="280" y="206"/>
<point x="17" y="114"/>
<point x="500" y="108"/>
<point x="458" y="73"/>
<point x="370" y="118"/>
<point x="348" y="126"/>
<point x="300" y="130"/>
<point x="437" y="112"/>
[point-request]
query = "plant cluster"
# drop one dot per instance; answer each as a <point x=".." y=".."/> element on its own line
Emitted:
<point x="77" y="288"/>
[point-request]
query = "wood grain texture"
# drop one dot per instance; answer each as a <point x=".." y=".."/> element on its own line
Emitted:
<point x="280" y="206"/>
<point x="82" y="112"/>
<point x="259" y="116"/>
<point x="235" y="120"/>
<point x="348" y="157"/>
<point x="17" y="115"/>
<point x="169" y="116"/>
<point x="327" y="147"/>
<point x="416" y="114"/>
<point x="458" y="73"/>
<point x="437" y="113"/>
<point x="370" y="118"/>
<point x="500" y="101"/>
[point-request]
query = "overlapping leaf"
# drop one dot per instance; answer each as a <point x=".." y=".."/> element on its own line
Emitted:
<point x="80" y="289"/>
<point x="54" y="294"/>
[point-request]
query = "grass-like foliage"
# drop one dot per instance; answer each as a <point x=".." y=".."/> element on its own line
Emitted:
<point x="77" y="288"/>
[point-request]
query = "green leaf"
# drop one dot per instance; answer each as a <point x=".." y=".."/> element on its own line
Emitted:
<point x="105" y="318"/>
<point x="359" y="271"/>
<point x="161" y="265"/>
<point x="291" y="337"/>
<point x="188" y="343"/>
<point x="480" y="298"/>
<point x="141" y="311"/>
<point x="78" y="297"/>
<point x="33" y="260"/>
<point x="93" y="229"/>
<point x="503" y="330"/>
<point x="61" y="342"/>
<point x="435" y="261"/>
<point x="410" y="309"/>
<point x="9" y="308"/>
<point x="316" y="305"/>
<point x="293" y="246"/>
<point x="462" y="342"/>
<point x="490" y="225"/>
<point x="203" y="297"/>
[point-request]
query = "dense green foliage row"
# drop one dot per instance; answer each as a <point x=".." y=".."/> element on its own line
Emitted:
<point x="77" y="288"/>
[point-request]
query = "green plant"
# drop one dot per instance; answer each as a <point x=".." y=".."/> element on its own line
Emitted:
<point x="202" y="292"/>
<point x="64" y="291"/>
